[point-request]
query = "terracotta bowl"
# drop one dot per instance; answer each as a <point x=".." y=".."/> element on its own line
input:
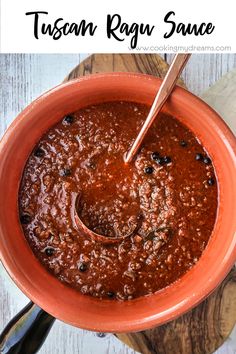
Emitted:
<point x="67" y="304"/>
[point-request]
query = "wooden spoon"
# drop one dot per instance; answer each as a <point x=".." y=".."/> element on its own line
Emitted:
<point x="164" y="92"/>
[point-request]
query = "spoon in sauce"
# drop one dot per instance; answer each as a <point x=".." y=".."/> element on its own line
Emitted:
<point x="164" y="92"/>
<point x="85" y="231"/>
<point x="166" y="88"/>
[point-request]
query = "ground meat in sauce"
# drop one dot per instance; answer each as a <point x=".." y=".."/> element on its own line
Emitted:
<point x="169" y="193"/>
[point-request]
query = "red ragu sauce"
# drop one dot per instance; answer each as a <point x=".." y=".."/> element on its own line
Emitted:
<point x="168" y="195"/>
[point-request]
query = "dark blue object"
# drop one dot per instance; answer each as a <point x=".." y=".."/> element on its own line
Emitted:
<point x="26" y="332"/>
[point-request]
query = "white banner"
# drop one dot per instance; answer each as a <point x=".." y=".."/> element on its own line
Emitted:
<point x="124" y="26"/>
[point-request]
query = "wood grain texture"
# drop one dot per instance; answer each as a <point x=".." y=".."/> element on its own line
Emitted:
<point x="151" y="64"/>
<point x="23" y="78"/>
<point x="201" y="330"/>
<point x="206" y="327"/>
<point x="204" y="70"/>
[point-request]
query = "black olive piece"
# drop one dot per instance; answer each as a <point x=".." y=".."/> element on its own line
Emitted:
<point x="159" y="160"/>
<point x="163" y="160"/>
<point x="49" y="251"/>
<point x="111" y="294"/>
<point x="199" y="157"/>
<point x="25" y="219"/>
<point x="183" y="143"/>
<point x="166" y="159"/>
<point x="38" y="152"/>
<point x="155" y="155"/>
<point x="149" y="170"/>
<point x="66" y="172"/>
<point x="83" y="267"/>
<point x="207" y="160"/>
<point x="211" y="181"/>
<point x="69" y="119"/>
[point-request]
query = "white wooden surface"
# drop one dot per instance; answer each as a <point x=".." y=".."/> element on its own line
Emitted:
<point x="23" y="78"/>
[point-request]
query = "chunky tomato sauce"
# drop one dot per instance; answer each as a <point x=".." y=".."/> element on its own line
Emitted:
<point x="166" y="199"/>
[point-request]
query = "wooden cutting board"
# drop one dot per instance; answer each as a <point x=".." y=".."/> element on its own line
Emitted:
<point x="205" y="328"/>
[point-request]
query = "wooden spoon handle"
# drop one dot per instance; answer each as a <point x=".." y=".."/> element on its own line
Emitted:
<point x="164" y="92"/>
